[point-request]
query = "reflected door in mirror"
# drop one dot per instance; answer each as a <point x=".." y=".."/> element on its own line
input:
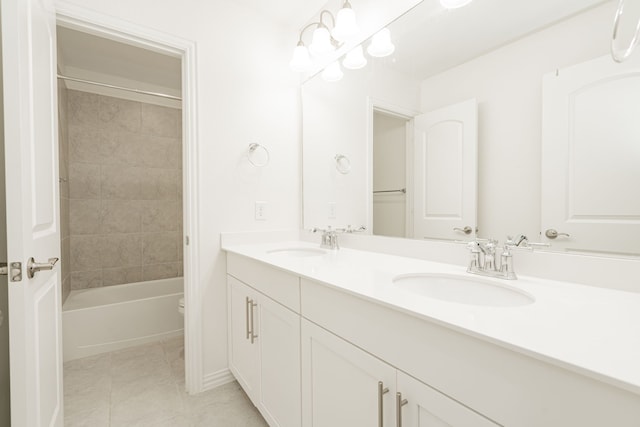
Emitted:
<point x="445" y="172"/>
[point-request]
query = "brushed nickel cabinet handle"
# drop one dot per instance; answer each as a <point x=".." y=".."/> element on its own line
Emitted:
<point x="400" y="402"/>
<point x="382" y="390"/>
<point x="246" y="313"/>
<point x="253" y="327"/>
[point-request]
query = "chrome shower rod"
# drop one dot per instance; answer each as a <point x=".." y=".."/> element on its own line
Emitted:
<point x="142" y="92"/>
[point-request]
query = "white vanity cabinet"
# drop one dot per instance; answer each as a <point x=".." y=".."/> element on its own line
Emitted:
<point x="343" y="385"/>
<point x="264" y="346"/>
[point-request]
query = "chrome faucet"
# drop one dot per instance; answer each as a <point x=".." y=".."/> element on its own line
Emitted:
<point x="330" y="236"/>
<point x="483" y="259"/>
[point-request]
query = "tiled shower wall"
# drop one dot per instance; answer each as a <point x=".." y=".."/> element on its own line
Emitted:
<point x="125" y="191"/>
<point x="63" y="161"/>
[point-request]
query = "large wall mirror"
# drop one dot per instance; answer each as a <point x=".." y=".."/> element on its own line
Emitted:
<point x="501" y="118"/>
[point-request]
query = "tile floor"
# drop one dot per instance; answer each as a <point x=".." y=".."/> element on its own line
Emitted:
<point x="144" y="386"/>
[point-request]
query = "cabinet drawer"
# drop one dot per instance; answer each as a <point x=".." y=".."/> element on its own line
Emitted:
<point x="276" y="284"/>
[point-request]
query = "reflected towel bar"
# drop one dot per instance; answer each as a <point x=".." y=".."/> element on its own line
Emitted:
<point x="402" y="190"/>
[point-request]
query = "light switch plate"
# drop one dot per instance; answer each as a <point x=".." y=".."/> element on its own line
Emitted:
<point x="333" y="207"/>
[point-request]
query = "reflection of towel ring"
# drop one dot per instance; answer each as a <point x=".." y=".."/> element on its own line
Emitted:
<point x="343" y="164"/>
<point x="617" y="56"/>
<point x="258" y="155"/>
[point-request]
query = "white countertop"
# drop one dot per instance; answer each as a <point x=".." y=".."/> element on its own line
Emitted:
<point x="589" y="330"/>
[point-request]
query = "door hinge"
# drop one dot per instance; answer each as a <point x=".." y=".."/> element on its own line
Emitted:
<point x="186" y="240"/>
<point x="14" y="271"/>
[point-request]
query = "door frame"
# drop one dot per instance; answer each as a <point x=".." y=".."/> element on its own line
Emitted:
<point x="78" y="18"/>
<point x="381" y="106"/>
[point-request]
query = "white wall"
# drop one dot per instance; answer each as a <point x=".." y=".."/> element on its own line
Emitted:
<point x="508" y="86"/>
<point x="246" y="94"/>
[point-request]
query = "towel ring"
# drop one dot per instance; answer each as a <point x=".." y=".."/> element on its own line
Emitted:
<point x="616" y="55"/>
<point x="343" y="164"/>
<point x="258" y="155"/>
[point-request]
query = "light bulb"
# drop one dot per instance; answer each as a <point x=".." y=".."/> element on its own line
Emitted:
<point x="381" y="45"/>
<point x="300" y="62"/>
<point x="333" y="72"/>
<point x="346" y="26"/>
<point x="321" y="42"/>
<point x="454" y="4"/>
<point x="355" y="59"/>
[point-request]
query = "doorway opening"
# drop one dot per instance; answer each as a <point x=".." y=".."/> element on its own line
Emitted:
<point x="127" y="187"/>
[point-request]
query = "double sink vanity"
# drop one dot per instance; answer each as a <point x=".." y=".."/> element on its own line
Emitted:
<point x="349" y="337"/>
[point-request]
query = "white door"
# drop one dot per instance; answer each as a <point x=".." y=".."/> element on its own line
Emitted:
<point x="426" y="407"/>
<point x="591" y="156"/>
<point x="243" y="348"/>
<point x="445" y="172"/>
<point x="33" y="224"/>
<point x="279" y="342"/>
<point x="341" y="384"/>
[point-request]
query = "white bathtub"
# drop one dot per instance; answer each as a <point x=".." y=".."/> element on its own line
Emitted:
<point x="99" y="320"/>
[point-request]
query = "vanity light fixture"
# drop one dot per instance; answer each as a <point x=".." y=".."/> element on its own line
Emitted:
<point x="454" y="4"/>
<point x="346" y="26"/>
<point x="333" y="72"/>
<point x="381" y="45"/>
<point x="355" y="59"/>
<point x="324" y="41"/>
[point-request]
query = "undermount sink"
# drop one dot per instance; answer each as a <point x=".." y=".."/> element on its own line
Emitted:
<point x="463" y="289"/>
<point x="298" y="252"/>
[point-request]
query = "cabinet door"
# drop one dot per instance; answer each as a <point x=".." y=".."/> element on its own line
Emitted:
<point x="243" y="354"/>
<point x="279" y="343"/>
<point x="340" y="382"/>
<point x="427" y="407"/>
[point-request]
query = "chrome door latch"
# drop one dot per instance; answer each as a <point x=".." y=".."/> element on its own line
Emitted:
<point x="14" y="271"/>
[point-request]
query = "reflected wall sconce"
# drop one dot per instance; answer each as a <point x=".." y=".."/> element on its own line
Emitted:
<point x="258" y="155"/>
<point x="324" y="40"/>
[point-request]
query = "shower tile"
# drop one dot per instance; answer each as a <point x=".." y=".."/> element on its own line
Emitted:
<point x="161" y="271"/>
<point x="158" y="184"/>
<point x="159" y="215"/>
<point x="160" y="248"/>
<point x="160" y="152"/>
<point x="180" y="244"/>
<point x="121" y="182"/>
<point x="126" y="149"/>
<point x="65" y="255"/>
<point x="119" y="276"/>
<point x="121" y="216"/>
<point x="82" y="107"/>
<point x="64" y="218"/>
<point x="84" y="217"/>
<point x="121" y="250"/>
<point x="119" y="114"/>
<point x="84" y="181"/>
<point x="161" y="121"/>
<point x="85" y="253"/>
<point x="87" y="144"/>
<point x="86" y="279"/>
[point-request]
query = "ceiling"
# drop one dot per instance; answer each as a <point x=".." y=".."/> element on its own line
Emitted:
<point x="430" y="39"/>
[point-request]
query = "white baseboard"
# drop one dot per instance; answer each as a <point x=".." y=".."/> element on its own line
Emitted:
<point x="216" y="379"/>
